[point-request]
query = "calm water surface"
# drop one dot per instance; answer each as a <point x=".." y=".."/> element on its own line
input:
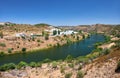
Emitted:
<point x="80" y="48"/>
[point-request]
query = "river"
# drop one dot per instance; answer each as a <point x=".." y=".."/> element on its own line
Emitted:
<point x="76" y="49"/>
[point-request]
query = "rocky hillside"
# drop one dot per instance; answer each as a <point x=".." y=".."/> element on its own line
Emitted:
<point x="104" y="66"/>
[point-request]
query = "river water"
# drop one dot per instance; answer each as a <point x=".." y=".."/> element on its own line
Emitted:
<point x="76" y="49"/>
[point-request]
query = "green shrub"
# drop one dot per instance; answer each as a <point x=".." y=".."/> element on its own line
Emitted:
<point x="7" y="67"/>
<point x="83" y="36"/>
<point x="9" y="50"/>
<point x="54" y="64"/>
<point x="38" y="40"/>
<point x="69" y="58"/>
<point x="98" y="44"/>
<point x="1" y="34"/>
<point x="105" y="52"/>
<point x="80" y="67"/>
<point x="83" y="59"/>
<point x="3" y="67"/>
<point x="58" y="44"/>
<point x="2" y="44"/>
<point x="97" y="50"/>
<point x="64" y="35"/>
<point x="46" y="60"/>
<point x="71" y="65"/>
<point x="80" y="74"/>
<point x="68" y="75"/>
<point x="118" y="44"/>
<point x="38" y="64"/>
<point x="62" y="69"/>
<point x="54" y="32"/>
<point x="118" y="67"/>
<point x="107" y="38"/>
<point x="22" y="64"/>
<point x="11" y="66"/>
<point x="2" y="53"/>
<point x="33" y="64"/>
<point x="77" y="38"/>
<point x="23" y="49"/>
<point x="46" y="36"/>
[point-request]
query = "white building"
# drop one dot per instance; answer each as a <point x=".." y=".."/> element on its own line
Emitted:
<point x="2" y="23"/>
<point x="20" y="35"/>
<point x="68" y="32"/>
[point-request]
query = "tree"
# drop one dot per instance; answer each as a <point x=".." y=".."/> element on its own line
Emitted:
<point x="58" y="32"/>
<point x="23" y="49"/>
<point x="54" y="32"/>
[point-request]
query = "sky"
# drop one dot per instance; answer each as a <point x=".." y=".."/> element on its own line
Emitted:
<point x="60" y="12"/>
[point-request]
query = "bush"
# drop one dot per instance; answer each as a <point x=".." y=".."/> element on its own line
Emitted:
<point x="32" y="64"/>
<point x="3" y="67"/>
<point x="23" y="49"/>
<point x="83" y="59"/>
<point x="9" y="50"/>
<point x="62" y="69"/>
<point x="38" y="40"/>
<point x="1" y="34"/>
<point x="54" y="32"/>
<point x="2" y="53"/>
<point x="54" y="64"/>
<point x="46" y="60"/>
<point x="79" y="74"/>
<point x="3" y="44"/>
<point x="69" y="58"/>
<point x="68" y="75"/>
<point x="58" y="45"/>
<point x="118" y="67"/>
<point x="97" y="50"/>
<point x="46" y="36"/>
<point x="22" y="64"/>
<point x="105" y="52"/>
<point x="77" y="38"/>
<point x="38" y="64"/>
<point x="7" y="67"/>
<point x="71" y="65"/>
<point x="83" y="36"/>
<point x="80" y="67"/>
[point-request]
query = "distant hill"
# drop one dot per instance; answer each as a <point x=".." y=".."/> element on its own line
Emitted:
<point x="99" y="28"/>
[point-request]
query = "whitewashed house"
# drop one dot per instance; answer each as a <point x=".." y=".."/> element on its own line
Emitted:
<point x="20" y="35"/>
<point x="68" y="32"/>
<point x="2" y="23"/>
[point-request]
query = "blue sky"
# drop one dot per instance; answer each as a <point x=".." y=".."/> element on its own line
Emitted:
<point x="60" y="12"/>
